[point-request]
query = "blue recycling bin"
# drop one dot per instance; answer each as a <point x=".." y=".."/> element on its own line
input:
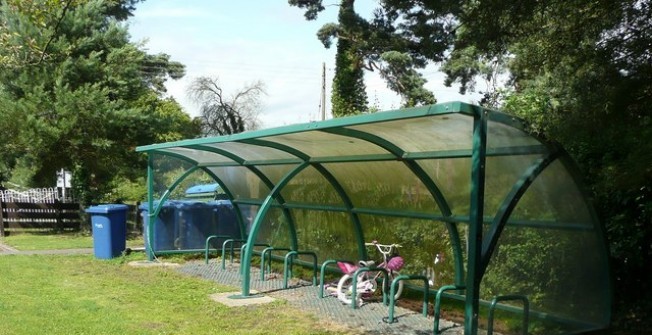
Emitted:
<point x="109" y="224"/>
<point x="163" y="234"/>
<point x="195" y="222"/>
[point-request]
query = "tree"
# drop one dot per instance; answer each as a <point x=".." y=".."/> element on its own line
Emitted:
<point x="381" y="44"/>
<point x="222" y="114"/>
<point x="349" y="94"/>
<point x="75" y="97"/>
<point x="580" y="75"/>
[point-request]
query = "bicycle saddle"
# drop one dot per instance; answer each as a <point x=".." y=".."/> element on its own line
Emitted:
<point x="366" y="264"/>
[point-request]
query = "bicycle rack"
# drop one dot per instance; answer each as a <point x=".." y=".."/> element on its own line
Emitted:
<point x="440" y="292"/>
<point x="229" y="241"/>
<point x="323" y="272"/>
<point x="242" y="249"/>
<point x="354" y="284"/>
<point x="208" y="240"/>
<point x="392" y="293"/>
<point x="492" y="308"/>
<point x="262" y="260"/>
<point x="287" y="266"/>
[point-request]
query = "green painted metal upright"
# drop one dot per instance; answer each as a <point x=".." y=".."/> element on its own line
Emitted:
<point x="474" y="261"/>
<point x="267" y="204"/>
<point x="150" y="204"/>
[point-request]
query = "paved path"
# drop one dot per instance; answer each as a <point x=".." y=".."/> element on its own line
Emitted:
<point x="7" y="250"/>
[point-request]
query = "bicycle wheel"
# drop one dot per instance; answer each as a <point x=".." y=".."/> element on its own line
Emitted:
<point x="344" y="289"/>
<point x="365" y="287"/>
<point x="399" y="286"/>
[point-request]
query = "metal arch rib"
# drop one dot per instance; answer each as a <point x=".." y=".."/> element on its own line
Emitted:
<point x="238" y="214"/>
<point x="262" y="177"/>
<point x="267" y="204"/>
<point x="430" y="184"/>
<point x="490" y="241"/>
<point x="399" y="154"/>
<point x="355" y="219"/>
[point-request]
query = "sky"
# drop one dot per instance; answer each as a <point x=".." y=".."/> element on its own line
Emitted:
<point x="241" y="42"/>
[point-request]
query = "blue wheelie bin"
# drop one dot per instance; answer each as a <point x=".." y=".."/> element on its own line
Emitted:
<point x="164" y="229"/>
<point x="109" y="224"/>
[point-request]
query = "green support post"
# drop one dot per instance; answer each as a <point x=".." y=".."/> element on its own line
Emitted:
<point x="392" y="293"/>
<point x="526" y="312"/>
<point x="208" y="240"/>
<point x="323" y="273"/>
<point x="437" y="309"/>
<point x="474" y="261"/>
<point x="287" y="266"/>
<point x="354" y="283"/>
<point x="263" y="259"/>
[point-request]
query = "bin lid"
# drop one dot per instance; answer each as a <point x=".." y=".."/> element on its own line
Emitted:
<point x="106" y="208"/>
<point x="204" y="190"/>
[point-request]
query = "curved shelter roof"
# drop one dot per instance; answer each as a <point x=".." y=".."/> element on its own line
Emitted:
<point x="505" y="208"/>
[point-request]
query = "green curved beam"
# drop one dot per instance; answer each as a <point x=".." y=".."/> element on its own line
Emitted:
<point x="263" y="178"/>
<point x="267" y="204"/>
<point x="490" y="241"/>
<point x="150" y="202"/>
<point x="355" y="218"/>
<point x="599" y="227"/>
<point x="430" y="184"/>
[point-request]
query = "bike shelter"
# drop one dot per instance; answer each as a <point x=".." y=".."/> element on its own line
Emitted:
<point x="503" y="209"/>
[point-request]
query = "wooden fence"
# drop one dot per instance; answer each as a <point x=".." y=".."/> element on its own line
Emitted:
<point x="34" y="216"/>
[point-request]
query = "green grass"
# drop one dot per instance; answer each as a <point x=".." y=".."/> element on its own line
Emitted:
<point x="49" y="241"/>
<point x="48" y="294"/>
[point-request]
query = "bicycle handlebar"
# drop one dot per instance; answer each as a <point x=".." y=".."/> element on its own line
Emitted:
<point x="383" y="245"/>
<point x="383" y="248"/>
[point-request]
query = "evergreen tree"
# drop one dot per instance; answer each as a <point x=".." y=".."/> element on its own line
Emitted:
<point x="349" y="95"/>
<point x="81" y="96"/>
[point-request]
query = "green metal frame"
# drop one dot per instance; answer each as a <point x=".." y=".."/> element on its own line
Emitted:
<point x="469" y="271"/>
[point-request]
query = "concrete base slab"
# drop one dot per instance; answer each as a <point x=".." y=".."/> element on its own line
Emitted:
<point x="234" y="299"/>
<point x="147" y="264"/>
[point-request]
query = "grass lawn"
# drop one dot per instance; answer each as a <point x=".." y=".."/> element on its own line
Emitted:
<point x="48" y="241"/>
<point x="50" y="294"/>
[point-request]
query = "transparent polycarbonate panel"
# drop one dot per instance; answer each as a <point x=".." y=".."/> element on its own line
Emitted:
<point x="248" y="213"/>
<point x="274" y="228"/>
<point x="317" y="144"/>
<point x="501" y="174"/>
<point x="250" y="152"/>
<point x="330" y="234"/>
<point x="421" y="241"/>
<point x="310" y="187"/>
<point x="554" y="196"/>
<point x="453" y="178"/>
<point x="199" y="156"/>
<point x="241" y="182"/>
<point x="167" y="170"/>
<point x="276" y="172"/>
<point x="502" y="136"/>
<point x="562" y="272"/>
<point x="383" y="185"/>
<point x="426" y="134"/>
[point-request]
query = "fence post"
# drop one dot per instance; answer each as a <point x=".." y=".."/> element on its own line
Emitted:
<point x="58" y="226"/>
<point x="2" y="218"/>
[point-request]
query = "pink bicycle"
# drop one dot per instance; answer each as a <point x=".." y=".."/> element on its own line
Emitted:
<point x="367" y="281"/>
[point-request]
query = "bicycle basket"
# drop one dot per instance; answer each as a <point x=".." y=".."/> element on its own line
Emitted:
<point x="395" y="263"/>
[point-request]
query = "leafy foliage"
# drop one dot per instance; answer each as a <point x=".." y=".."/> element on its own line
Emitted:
<point x="88" y="100"/>
<point x="384" y="44"/>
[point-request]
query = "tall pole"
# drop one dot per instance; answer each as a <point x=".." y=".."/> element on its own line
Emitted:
<point x="323" y="91"/>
